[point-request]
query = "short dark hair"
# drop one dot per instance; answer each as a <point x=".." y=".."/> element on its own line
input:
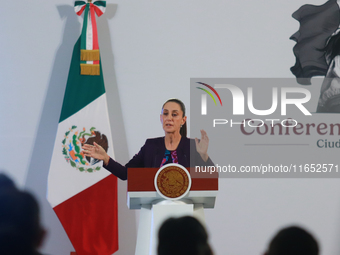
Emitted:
<point x="293" y="241"/>
<point x="6" y="183"/>
<point x="20" y="229"/>
<point x="183" y="130"/>
<point x="183" y="236"/>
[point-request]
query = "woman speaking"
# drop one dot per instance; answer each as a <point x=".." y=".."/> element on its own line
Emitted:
<point x="174" y="147"/>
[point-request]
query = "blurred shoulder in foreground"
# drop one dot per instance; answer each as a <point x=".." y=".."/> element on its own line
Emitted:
<point x="20" y="230"/>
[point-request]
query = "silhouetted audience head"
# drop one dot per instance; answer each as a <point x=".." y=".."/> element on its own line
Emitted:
<point x="293" y="241"/>
<point x="20" y="229"/>
<point x="183" y="236"/>
<point x="6" y="183"/>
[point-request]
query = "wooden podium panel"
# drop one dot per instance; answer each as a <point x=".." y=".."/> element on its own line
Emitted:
<point x="142" y="179"/>
<point x="141" y="189"/>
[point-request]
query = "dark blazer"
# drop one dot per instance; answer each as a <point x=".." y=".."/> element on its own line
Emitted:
<point x="152" y="154"/>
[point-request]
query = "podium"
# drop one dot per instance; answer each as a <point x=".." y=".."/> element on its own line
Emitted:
<point x="155" y="207"/>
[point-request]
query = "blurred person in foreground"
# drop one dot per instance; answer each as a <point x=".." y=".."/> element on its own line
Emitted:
<point x="293" y="241"/>
<point x="183" y="236"/>
<point x="20" y="229"/>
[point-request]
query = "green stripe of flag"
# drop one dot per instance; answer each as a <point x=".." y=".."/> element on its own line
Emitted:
<point x="80" y="90"/>
<point x="83" y="32"/>
<point x="100" y="3"/>
<point x="76" y="3"/>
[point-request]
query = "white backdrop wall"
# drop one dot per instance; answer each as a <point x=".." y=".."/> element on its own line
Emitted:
<point x="150" y="50"/>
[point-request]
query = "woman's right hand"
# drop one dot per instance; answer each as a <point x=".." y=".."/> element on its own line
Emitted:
<point x="96" y="151"/>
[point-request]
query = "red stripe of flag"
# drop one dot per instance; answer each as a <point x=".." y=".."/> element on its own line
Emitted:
<point x="81" y="10"/>
<point x="94" y="29"/>
<point x="78" y="216"/>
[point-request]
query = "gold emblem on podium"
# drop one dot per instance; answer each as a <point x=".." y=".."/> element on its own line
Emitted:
<point x="172" y="181"/>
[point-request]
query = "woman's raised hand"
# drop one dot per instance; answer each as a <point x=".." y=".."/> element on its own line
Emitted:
<point x="96" y="151"/>
<point x="202" y="145"/>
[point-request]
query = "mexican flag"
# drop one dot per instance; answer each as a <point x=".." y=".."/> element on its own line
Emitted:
<point x="81" y="192"/>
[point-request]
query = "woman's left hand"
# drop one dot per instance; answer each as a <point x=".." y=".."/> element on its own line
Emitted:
<point x="202" y="145"/>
